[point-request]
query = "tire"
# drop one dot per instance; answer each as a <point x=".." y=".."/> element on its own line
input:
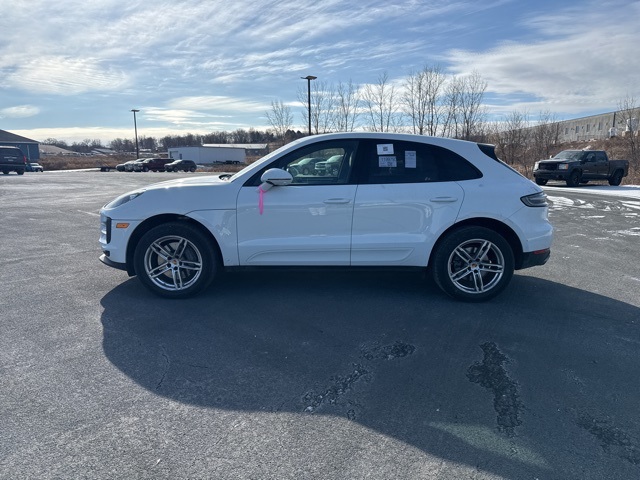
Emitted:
<point x="5" y="172"/>
<point x="305" y="171"/>
<point x="175" y="260"/>
<point x="20" y="172"/>
<point x="574" y="178"/>
<point x="541" y="181"/>
<point x="616" y="178"/>
<point x="192" y="169"/>
<point x="473" y="264"/>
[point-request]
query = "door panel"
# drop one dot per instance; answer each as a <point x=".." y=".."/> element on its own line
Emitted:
<point x="392" y="227"/>
<point x="300" y="225"/>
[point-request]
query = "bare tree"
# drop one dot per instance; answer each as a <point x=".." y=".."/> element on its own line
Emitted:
<point x="280" y="118"/>
<point x="544" y="135"/>
<point x="629" y="116"/>
<point x="381" y="106"/>
<point x="472" y="113"/>
<point x="422" y="100"/>
<point x="514" y="138"/>
<point x="346" y="107"/>
<point x="452" y="100"/>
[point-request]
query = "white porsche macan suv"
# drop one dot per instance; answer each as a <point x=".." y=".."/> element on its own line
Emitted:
<point x="446" y="205"/>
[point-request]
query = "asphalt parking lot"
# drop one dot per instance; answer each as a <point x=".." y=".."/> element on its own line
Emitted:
<point x="312" y="374"/>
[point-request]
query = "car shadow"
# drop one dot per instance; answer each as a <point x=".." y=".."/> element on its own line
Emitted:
<point x="497" y="386"/>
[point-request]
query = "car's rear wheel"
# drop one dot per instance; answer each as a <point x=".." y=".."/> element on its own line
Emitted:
<point x="473" y="264"/>
<point x="175" y="260"/>
<point x="616" y="178"/>
<point x="192" y="169"/>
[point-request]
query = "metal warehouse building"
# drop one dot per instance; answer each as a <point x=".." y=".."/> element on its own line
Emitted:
<point x="220" y="153"/>
<point x="29" y="147"/>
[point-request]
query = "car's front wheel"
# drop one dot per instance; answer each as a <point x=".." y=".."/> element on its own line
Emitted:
<point x="175" y="260"/>
<point x="473" y="264"/>
<point x="541" y="181"/>
<point x="574" y="179"/>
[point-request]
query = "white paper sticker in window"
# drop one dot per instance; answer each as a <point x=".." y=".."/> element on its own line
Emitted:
<point x="409" y="159"/>
<point x="385" y="149"/>
<point x="387" y="162"/>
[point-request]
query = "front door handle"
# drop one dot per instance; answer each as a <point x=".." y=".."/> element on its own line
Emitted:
<point x="337" y="201"/>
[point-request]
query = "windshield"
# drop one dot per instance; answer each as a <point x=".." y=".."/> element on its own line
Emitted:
<point x="569" y="155"/>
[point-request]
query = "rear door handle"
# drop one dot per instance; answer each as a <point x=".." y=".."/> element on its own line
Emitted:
<point x="337" y="201"/>
<point x="444" y="199"/>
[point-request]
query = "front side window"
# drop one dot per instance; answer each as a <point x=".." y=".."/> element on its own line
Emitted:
<point x="325" y="163"/>
<point x="411" y="162"/>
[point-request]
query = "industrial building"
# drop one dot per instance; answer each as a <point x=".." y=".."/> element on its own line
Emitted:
<point x="219" y="153"/>
<point x="29" y="147"/>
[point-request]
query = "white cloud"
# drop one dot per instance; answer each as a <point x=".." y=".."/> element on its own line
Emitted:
<point x="584" y="59"/>
<point x="19" y="111"/>
<point x="66" y="76"/>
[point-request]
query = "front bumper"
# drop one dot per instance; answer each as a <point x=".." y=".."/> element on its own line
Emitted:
<point x="551" y="174"/>
<point x="104" y="258"/>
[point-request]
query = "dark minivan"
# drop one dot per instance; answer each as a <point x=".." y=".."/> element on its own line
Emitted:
<point x="12" y="160"/>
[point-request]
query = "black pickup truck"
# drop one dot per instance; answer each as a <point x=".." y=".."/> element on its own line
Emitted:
<point x="580" y="166"/>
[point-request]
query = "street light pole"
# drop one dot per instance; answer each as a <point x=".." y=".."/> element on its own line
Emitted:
<point x="135" y="126"/>
<point x="308" y="78"/>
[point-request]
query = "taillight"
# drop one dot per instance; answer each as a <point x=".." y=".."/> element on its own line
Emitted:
<point x="25" y="159"/>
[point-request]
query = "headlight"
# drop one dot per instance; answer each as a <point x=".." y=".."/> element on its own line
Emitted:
<point x="535" y="200"/>
<point x="563" y="166"/>
<point x="122" y="199"/>
<point x="105" y="229"/>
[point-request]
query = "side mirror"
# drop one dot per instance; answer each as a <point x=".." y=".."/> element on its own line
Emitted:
<point x="275" y="177"/>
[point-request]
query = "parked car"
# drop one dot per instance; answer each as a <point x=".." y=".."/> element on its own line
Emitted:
<point x="580" y="166"/>
<point x="120" y="167"/>
<point x="181" y="165"/>
<point x="154" y="164"/>
<point x="127" y="166"/>
<point x="12" y="160"/>
<point x="448" y="206"/>
<point x="329" y="167"/>
<point x="131" y="165"/>
<point x="307" y="166"/>
<point x="34" y="167"/>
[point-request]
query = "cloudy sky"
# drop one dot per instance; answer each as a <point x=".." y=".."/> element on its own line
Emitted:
<point x="73" y="69"/>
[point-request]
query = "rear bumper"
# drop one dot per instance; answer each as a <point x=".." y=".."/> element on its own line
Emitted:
<point x="533" y="259"/>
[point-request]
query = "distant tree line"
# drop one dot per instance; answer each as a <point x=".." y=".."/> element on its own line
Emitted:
<point x="121" y="145"/>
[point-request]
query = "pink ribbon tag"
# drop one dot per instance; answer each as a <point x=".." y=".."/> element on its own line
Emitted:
<point x="260" y="199"/>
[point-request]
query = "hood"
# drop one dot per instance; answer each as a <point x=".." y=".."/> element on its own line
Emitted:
<point x="204" y="181"/>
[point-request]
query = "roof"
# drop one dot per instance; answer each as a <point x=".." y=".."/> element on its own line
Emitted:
<point x="13" y="138"/>
<point x="247" y="146"/>
<point x="53" y="150"/>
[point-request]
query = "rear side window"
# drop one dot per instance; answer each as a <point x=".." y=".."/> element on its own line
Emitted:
<point x="410" y="162"/>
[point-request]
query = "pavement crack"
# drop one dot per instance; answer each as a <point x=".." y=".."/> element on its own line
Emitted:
<point x="340" y="386"/>
<point x="491" y="374"/>
<point x="387" y="352"/>
<point x="167" y="364"/>
<point x="612" y="439"/>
